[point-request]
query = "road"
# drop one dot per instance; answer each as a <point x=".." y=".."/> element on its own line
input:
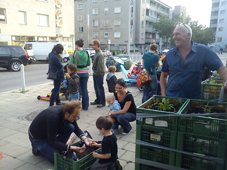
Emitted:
<point x="36" y="74"/>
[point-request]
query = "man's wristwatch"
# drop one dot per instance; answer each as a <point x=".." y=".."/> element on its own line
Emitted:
<point x="84" y="138"/>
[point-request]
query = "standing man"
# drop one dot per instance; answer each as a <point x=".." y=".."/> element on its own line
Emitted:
<point x="51" y="128"/>
<point x="98" y="75"/>
<point x="185" y="64"/>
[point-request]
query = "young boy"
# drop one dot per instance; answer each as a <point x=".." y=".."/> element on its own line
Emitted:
<point x="111" y="79"/>
<point x="73" y="82"/>
<point x="109" y="144"/>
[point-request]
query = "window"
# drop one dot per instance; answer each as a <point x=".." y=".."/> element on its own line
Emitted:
<point x="131" y="23"/>
<point x="22" y="17"/>
<point x="95" y="23"/>
<point x="222" y="12"/>
<point x="80" y="29"/>
<point x="42" y="20"/>
<point x="95" y="35"/>
<point x="95" y="11"/>
<point x="79" y="6"/>
<point x="117" y="34"/>
<point x="117" y="22"/>
<point x="4" y="50"/>
<point x="117" y="10"/>
<point x="221" y="20"/>
<point x="142" y="23"/>
<point x="106" y="10"/>
<point x="219" y="39"/>
<point x="223" y="3"/>
<point x="2" y="15"/>
<point x="142" y="35"/>
<point x="106" y="23"/>
<point x="106" y="34"/>
<point x="143" y="12"/>
<point x="80" y="18"/>
<point x="220" y="29"/>
<point x="143" y="1"/>
<point x="94" y="0"/>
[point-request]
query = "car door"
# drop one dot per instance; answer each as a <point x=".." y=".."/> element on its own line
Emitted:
<point x="5" y="56"/>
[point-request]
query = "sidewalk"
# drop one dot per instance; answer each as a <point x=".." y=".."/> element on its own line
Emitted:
<point x="15" y="145"/>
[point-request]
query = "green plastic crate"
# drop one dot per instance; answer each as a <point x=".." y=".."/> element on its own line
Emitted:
<point x="155" y="154"/>
<point x="65" y="164"/>
<point x="146" y="167"/>
<point x="156" y="135"/>
<point x="201" y="145"/>
<point x="210" y="91"/>
<point x="210" y="126"/>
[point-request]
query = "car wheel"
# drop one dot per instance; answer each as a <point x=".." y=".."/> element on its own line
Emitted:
<point x="65" y="60"/>
<point x="15" y="65"/>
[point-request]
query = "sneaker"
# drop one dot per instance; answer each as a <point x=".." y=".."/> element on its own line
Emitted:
<point x="115" y="131"/>
<point x="125" y="133"/>
<point x="35" y="152"/>
<point x="58" y="104"/>
<point x="100" y="105"/>
<point x="94" y="103"/>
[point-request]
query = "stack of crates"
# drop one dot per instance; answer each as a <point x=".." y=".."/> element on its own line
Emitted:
<point x="195" y="143"/>
<point x="211" y="91"/>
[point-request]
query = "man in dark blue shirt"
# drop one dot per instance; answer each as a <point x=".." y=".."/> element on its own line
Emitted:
<point x="185" y="64"/>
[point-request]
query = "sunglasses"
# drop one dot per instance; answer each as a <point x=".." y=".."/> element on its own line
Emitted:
<point x="185" y="27"/>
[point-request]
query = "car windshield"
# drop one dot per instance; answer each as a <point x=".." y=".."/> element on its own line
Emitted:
<point x="28" y="46"/>
<point x="18" y="49"/>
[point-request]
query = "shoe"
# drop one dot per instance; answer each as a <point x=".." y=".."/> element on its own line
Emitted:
<point x="59" y="104"/>
<point x="35" y="152"/>
<point x="94" y="103"/>
<point x="125" y="133"/>
<point x="100" y="105"/>
<point x="114" y="131"/>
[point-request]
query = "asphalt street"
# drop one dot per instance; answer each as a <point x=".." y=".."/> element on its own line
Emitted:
<point x="35" y="74"/>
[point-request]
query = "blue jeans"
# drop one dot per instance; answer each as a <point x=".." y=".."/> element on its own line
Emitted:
<point x="74" y="96"/>
<point x="45" y="149"/>
<point x="150" y="89"/>
<point x="99" y="89"/>
<point x="83" y="90"/>
<point x="55" y="92"/>
<point x="123" y="120"/>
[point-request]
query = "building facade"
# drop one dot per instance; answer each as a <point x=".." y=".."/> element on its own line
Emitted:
<point x="180" y="10"/>
<point x="36" y="20"/>
<point x="218" y="21"/>
<point x="110" y="21"/>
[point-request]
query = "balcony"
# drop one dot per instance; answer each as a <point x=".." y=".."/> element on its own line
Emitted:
<point x="151" y="19"/>
<point x="213" y="25"/>
<point x="150" y="29"/>
<point x="214" y="17"/>
<point x="149" y="40"/>
<point x="215" y="9"/>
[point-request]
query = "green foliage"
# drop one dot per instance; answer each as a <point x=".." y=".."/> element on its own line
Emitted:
<point x="115" y="52"/>
<point x="165" y="105"/>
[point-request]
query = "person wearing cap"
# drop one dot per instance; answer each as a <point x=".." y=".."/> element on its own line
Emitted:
<point x="184" y="66"/>
<point x="135" y="71"/>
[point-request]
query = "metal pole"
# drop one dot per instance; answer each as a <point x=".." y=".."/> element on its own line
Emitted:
<point x="22" y="77"/>
<point x="129" y="25"/>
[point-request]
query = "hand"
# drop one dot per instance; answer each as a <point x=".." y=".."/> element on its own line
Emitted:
<point x="95" y="155"/>
<point x="68" y="76"/>
<point x="78" y="149"/>
<point x="94" y="144"/>
<point x="89" y="141"/>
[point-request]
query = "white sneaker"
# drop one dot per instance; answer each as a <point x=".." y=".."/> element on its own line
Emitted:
<point x="124" y="133"/>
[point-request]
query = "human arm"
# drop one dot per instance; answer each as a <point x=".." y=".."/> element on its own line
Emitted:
<point x="96" y="145"/>
<point x="101" y="156"/>
<point x="163" y="82"/>
<point x="73" y="81"/>
<point x="223" y="73"/>
<point x="77" y="149"/>
<point x="122" y="111"/>
<point x="72" y="59"/>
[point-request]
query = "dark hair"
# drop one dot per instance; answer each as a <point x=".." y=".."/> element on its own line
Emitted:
<point x="121" y="82"/>
<point x="72" y="67"/>
<point x="154" y="47"/>
<point x="111" y="68"/>
<point x="58" y="48"/>
<point x="96" y="42"/>
<point x="104" y="122"/>
<point x="70" y="106"/>
<point x="80" y="42"/>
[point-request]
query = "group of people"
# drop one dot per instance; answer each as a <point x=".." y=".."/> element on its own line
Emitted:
<point x="183" y="68"/>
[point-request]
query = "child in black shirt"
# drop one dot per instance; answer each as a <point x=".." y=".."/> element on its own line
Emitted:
<point x="109" y="144"/>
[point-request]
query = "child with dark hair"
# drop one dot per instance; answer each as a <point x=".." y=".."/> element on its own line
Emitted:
<point x="111" y="79"/>
<point x="109" y="144"/>
<point x="73" y="82"/>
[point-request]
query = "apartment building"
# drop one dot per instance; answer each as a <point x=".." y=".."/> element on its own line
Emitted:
<point x="180" y="10"/>
<point x="218" y="21"/>
<point x="36" y="20"/>
<point x="110" y="21"/>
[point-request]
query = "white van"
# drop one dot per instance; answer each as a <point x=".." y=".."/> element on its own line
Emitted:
<point x="42" y="49"/>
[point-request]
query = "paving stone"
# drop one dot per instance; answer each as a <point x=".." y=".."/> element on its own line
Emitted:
<point x="130" y="147"/>
<point x="13" y="150"/>
<point x="88" y="119"/>
<point x="9" y="163"/>
<point x="121" y="152"/>
<point x="129" y="166"/>
<point x="128" y="156"/>
<point x="28" y="166"/>
<point x="12" y="125"/>
<point x="131" y="137"/>
<point x="19" y="138"/>
<point x="30" y="158"/>
<point x="45" y="164"/>
<point x="5" y="132"/>
<point x="123" y="163"/>
<point x="121" y="143"/>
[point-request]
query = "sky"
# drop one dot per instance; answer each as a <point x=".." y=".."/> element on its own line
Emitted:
<point x="198" y="10"/>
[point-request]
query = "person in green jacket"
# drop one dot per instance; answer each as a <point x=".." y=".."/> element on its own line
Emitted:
<point x="83" y="60"/>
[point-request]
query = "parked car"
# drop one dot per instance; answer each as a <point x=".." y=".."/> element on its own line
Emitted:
<point x="11" y="57"/>
<point x="106" y="53"/>
<point x="30" y="52"/>
<point x="90" y="51"/>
